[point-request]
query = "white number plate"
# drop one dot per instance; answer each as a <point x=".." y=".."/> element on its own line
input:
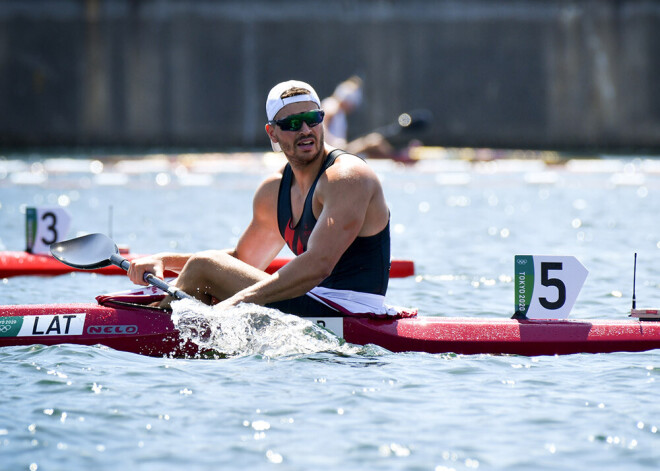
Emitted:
<point x="546" y="286"/>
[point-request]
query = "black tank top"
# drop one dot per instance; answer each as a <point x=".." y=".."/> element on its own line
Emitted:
<point x="364" y="266"/>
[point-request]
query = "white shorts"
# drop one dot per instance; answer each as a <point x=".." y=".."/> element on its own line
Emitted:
<point x="355" y="303"/>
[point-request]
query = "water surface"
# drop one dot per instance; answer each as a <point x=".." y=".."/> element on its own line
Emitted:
<point x="297" y="399"/>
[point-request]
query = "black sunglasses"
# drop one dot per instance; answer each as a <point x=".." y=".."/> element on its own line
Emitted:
<point x="295" y="121"/>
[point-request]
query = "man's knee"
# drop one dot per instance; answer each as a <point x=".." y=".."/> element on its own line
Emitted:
<point x="208" y="260"/>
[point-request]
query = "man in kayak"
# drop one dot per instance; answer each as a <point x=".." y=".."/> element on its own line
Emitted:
<point x="326" y="205"/>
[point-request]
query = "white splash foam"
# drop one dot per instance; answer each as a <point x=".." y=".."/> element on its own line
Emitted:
<point x="249" y="329"/>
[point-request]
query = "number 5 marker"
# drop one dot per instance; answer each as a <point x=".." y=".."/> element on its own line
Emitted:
<point x="547" y="286"/>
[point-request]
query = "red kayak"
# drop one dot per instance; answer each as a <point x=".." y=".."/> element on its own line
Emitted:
<point x="24" y="264"/>
<point x="149" y="331"/>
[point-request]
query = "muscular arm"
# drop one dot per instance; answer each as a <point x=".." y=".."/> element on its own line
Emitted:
<point x="258" y="245"/>
<point x="351" y="203"/>
<point x="261" y="241"/>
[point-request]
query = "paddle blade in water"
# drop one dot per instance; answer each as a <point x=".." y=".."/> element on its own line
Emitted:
<point x="87" y="252"/>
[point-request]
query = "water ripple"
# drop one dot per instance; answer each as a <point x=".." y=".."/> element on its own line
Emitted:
<point x="288" y="393"/>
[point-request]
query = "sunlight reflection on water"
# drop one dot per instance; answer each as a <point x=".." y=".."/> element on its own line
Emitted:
<point x="300" y="398"/>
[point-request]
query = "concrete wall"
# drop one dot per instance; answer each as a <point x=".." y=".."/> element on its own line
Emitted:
<point x="511" y="73"/>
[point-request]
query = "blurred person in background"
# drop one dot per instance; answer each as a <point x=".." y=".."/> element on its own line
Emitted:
<point x="346" y="98"/>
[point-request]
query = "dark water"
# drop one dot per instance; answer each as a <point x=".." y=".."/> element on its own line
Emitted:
<point x="294" y="398"/>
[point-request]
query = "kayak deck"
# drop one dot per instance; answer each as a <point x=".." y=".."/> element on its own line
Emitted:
<point x="507" y="336"/>
<point x="151" y="332"/>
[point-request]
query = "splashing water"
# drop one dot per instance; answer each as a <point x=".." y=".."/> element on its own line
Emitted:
<point x="250" y="329"/>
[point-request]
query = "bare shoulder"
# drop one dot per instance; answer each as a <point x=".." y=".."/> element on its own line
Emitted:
<point x="270" y="185"/>
<point x="351" y="169"/>
<point x="265" y="198"/>
<point x="348" y="178"/>
<point x="350" y="189"/>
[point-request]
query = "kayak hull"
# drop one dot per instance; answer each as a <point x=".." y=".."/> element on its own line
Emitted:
<point x="506" y="336"/>
<point x="148" y="331"/>
<point x="133" y="329"/>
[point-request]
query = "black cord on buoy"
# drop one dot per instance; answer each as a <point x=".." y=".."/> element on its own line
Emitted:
<point x="634" y="300"/>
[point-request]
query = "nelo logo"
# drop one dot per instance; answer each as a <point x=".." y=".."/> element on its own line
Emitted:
<point x="112" y="329"/>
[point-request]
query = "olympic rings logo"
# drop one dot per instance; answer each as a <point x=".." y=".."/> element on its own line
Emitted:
<point x="5" y="328"/>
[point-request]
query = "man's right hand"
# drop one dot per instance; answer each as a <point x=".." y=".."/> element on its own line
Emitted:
<point x="152" y="264"/>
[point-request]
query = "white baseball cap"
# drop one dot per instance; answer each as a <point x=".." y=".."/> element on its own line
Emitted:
<point x="275" y="102"/>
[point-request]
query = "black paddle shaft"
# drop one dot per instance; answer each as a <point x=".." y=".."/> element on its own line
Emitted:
<point x="94" y="251"/>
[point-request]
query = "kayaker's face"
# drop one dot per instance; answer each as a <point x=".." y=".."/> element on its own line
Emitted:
<point x="301" y="146"/>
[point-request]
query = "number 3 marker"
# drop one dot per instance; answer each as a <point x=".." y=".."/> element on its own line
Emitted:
<point x="552" y="294"/>
<point x="45" y="226"/>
